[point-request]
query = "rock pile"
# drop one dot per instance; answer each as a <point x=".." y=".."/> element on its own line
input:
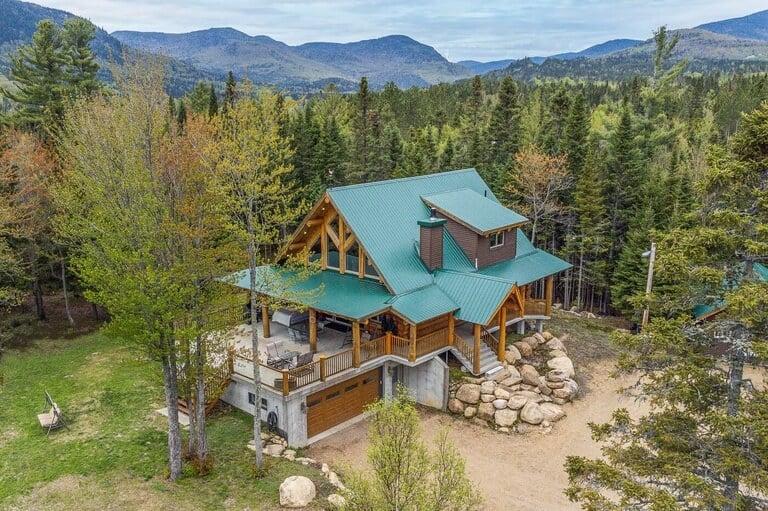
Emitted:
<point x="521" y="395"/>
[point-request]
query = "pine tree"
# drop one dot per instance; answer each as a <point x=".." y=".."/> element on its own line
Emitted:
<point x="505" y="123"/>
<point x="81" y="70"/>
<point x="200" y="98"/>
<point x="230" y="92"/>
<point x="363" y="135"/>
<point x="576" y="134"/>
<point x="213" y="102"/>
<point x="38" y="70"/>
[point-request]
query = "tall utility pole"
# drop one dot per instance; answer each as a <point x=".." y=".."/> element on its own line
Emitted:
<point x="649" y="283"/>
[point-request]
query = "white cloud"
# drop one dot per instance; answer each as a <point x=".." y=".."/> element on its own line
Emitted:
<point x="491" y="30"/>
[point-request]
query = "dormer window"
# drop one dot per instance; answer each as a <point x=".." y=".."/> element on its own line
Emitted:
<point x="497" y="239"/>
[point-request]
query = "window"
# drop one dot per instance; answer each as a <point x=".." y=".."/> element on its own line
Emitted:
<point x="251" y="398"/>
<point x="497" y="239"/>
<point x="263" y="404"/>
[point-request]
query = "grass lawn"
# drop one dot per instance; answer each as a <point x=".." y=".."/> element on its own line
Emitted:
<point x="114" y="454"/>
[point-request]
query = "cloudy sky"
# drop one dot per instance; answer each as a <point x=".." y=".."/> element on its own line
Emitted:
<point x="459" y="29"/>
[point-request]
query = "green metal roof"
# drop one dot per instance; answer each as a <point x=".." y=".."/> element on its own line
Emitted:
<point x="526" y="268"/>
<point x="383" y="216"/>
<point x="478" y="295"/>
<point x="423" y="304"/>
<point x="345" y="295"/>
<point x="474" y="209"/>
<point x="704" y="309"/>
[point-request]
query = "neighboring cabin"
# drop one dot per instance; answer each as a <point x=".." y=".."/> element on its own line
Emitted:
<point x="412" y="269"/>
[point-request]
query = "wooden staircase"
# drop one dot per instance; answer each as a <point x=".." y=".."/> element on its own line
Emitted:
<point x="217" y="383"/>
<point x="488" y="359"/>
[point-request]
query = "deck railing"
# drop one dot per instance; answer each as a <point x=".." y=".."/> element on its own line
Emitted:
<point x="490" y="340"/>
<point x="400" y="346"/>
<point x="465" y="348"/>
<point x="337" y="363"/>
<point x="304" y="375"/>
<point x="535" y="307"/>
<point x="372" y="349"/>
<point x="431" y="342"/>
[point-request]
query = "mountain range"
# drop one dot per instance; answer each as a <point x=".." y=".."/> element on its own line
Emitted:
<point x="207" y="55"/>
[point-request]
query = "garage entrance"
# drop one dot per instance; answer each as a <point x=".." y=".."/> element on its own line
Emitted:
<point x="341" y="402"/>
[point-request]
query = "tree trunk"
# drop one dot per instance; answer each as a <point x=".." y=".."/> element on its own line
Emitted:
<point x="735" y="379"/>
<point x="39" y="305"/>
<point x="170" y="385"/>
<point x="189" y="398"/>
<point x="64" y="288"/>
<point x="95" y="311"/>
<point x="202" y="435"/>
<point x="255" y="306"/>
<point x="581" y="272"/>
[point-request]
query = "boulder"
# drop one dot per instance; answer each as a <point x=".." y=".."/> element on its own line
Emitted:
<point x="289" y="454"/>
<point x="557" y="353"/>
<point x="531" y="413"/>
<point x="487" y="398"/>
<point x="557" y="375"/>
<point x="547" y="336"/>
<point x="562" y="363"/>
<point x="590" y="315"/>
<point x="523" y="428"/>
<point x="500" y="375"/>
<point x="531" y="341"/>
<point x="470" y="412"/>
<point x="274" y="450"/>
<point x="544" y="389"/>
<point x="529" y="388"/>
<point x="500" y="393"/>
<point x="524" y="349"/>
<point x="572" y="386"/>
<point x="555" y="344"/>
<point x="499" y="404"/>
<point x="456" y="405"/>
<point x="551" y="412"/>
<point x="505" y="418"/>
<point x="297" y="491"/>
<point x="468" y="393"/>
<point x="307" y="461"/>
<point x="485" y="411"/>
<point x="336" y="500"/>
<point x="555" y="384"/>
<point x="513" y="354"/>
<point x="333" y="478"/>
<point x="559" y="401"/>
<point x="564" y="393"/>
<point x="530" y="396"/>
<point x="539" y="338"/>
<point x="516" y="402"/>
<point x="514" y="377"/>
<point x="487" y="387"/>
<point x="472" y="380"/>
<point x="504" y="430"/>
<point x="530" y="375"/>
<point x="325" y="469"/>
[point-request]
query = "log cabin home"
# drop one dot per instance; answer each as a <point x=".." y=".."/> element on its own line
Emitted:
<point x="415" y="272"/>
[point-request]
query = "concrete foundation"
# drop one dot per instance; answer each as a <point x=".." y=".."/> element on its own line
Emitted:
<point x="428" y="383"/>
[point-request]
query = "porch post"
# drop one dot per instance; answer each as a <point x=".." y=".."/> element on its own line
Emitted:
<point x="313" y="330"/>
<point x="451" y="329"/>
<point x="323" y="369"/>
<point x="412" y="350"/>
<point x="476" y="355"/>
<point x="502" y="333"/>
<point x="264" y="322"/>
<point x="388" y="343"/>
<point x="355" y="344"/>
<point x="548" y="296"/>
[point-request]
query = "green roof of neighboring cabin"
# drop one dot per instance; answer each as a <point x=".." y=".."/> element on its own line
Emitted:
<point x="705" y="310"/>
<point x="474" y="210"/>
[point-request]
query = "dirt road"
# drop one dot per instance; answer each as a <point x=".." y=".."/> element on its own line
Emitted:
<point x="521" y="472"/>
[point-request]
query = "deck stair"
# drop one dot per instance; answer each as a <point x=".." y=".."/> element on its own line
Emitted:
<point x="488" y="360"/>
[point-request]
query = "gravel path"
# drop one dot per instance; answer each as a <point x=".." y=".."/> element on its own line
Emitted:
<point x="521" y="472"/>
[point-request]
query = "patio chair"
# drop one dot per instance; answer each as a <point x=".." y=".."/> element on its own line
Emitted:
<point x="304" y="359"/>
<point x="52" y="419"/>
<point x="277" y="356"/>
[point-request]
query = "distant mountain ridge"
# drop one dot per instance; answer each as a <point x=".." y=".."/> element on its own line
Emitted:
<point x="753" y="26"/>
<point x="394" y="58"/>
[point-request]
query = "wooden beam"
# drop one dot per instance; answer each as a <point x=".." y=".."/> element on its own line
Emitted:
<point x="313" y="222"/>
<point x="548" y="296"/>
<point x="329" y="228"/>
<point x="323" y="248"/>
<point x="355" y="344"/>
<point x="360" y="261"/>
<point x="476" y="353"/>
<point x="264" y="323"/>
<point x="313" y="330"/>
<point x="451" y="329"/>
<point x="349" y="240"/>
<point x="342" y="251"/>
<point x="502" y="334"/>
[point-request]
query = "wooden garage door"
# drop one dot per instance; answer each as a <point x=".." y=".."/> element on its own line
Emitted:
<point x="334" y="405"/>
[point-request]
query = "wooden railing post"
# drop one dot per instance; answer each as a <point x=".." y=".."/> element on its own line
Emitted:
<point x="548" y="296"/>
<point x="451" y="329"/>
<point x="388" y="343"/>
<point x="476" y="353"/>
<point x="286" y="385"/>
<point x="355" y="344"/>
<point x="412" y="349"/>
<point x="502" y="333"/>
<point x="323" y="370"/>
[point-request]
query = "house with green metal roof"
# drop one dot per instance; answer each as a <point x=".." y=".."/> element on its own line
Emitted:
<point x="420" y="270"/>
